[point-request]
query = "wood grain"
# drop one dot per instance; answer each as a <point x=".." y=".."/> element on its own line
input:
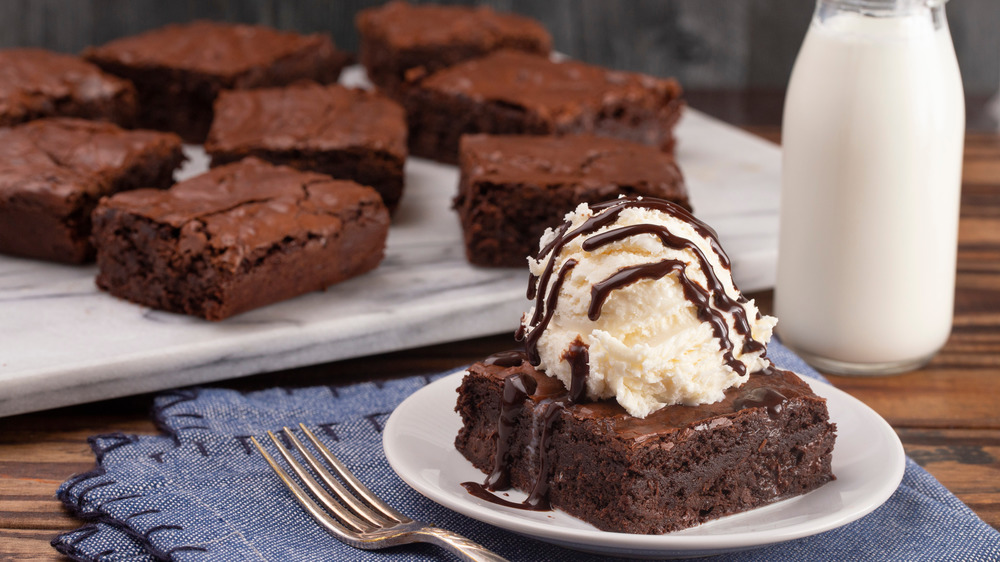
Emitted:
<point x="947" y="414"/>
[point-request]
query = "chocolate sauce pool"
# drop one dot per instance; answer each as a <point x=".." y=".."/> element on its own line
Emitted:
<point x="712" y="304"/>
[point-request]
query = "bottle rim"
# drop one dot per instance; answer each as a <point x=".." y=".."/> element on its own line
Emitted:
<point x="886" y="7"/>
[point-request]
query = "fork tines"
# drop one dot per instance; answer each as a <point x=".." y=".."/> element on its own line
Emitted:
<point x="356" y="510"/>
<point x="351" y="511"/>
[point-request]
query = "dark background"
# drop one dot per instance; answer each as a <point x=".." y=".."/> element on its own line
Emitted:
<point x="717" y="45"/>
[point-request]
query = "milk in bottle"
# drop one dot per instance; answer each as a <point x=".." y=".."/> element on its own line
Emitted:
<point x="872" y="141"/>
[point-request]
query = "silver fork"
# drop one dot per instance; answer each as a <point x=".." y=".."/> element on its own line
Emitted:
<point x="359" y="519"/>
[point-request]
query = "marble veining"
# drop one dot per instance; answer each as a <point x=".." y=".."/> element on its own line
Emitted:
<point x="63" y="342"/>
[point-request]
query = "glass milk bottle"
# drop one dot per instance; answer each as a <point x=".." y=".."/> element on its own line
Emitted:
<point x="872" y="139"/>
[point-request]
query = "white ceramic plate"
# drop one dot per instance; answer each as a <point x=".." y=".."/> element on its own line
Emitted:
<point x="868" y="461"/>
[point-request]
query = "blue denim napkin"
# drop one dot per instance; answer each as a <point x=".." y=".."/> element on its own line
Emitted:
<point x="202" y="492"/>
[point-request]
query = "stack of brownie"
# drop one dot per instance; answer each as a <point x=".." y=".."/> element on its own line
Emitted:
<point x="63" y="149"/>
<point x="572" y="132"/>
<point x="245" y="234"/>
<point x="533" y="137"/>
<point x="465" y="70"/>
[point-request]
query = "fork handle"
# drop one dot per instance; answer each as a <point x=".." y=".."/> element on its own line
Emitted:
<point x="464" y="548"/>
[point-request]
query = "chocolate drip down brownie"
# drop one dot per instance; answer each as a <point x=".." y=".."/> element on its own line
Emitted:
<point x="342" y="132"/>
<point x="514" y="187"/>
<point x="515" y="93"/>
<point x="54" y="171"/>
<point x="399" y="36"/>
<point x="179" y="70"/>
<point x="236" y="238"/>
<point x="35" y="83"/>
<point x="643" y="400"/>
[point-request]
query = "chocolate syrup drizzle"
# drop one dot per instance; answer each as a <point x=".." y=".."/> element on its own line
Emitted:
<point x="539" y="320"/>
<point x="516" y="389"/>
<point x="578" y="357"/>
<point x="712" y="304"/>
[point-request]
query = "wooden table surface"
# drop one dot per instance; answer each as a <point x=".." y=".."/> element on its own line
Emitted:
<point x="947" y="413"/>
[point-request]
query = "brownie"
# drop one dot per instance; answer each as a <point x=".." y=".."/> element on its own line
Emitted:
<point x="236" y="238"/>
<point x="345" y="133"/>
<point x="511" y="92"/>
<point x="399" y="36"/>
<point x="514" y="187"/>
<point x="35" y="83"/>
<point x="179" y="70"/>
<point x="680" y="466"/>
<point x="53" y="172"/>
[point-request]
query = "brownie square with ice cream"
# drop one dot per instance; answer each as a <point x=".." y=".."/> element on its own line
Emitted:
<point x="643" y="400"/>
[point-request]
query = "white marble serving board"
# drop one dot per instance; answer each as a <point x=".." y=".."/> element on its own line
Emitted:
<point x="64" y="342"/>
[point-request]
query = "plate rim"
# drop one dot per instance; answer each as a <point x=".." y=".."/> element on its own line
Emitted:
<point x="608" y="541"/>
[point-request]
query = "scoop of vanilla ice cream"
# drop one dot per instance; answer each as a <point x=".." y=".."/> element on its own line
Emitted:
<point x="648" y="348"/>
